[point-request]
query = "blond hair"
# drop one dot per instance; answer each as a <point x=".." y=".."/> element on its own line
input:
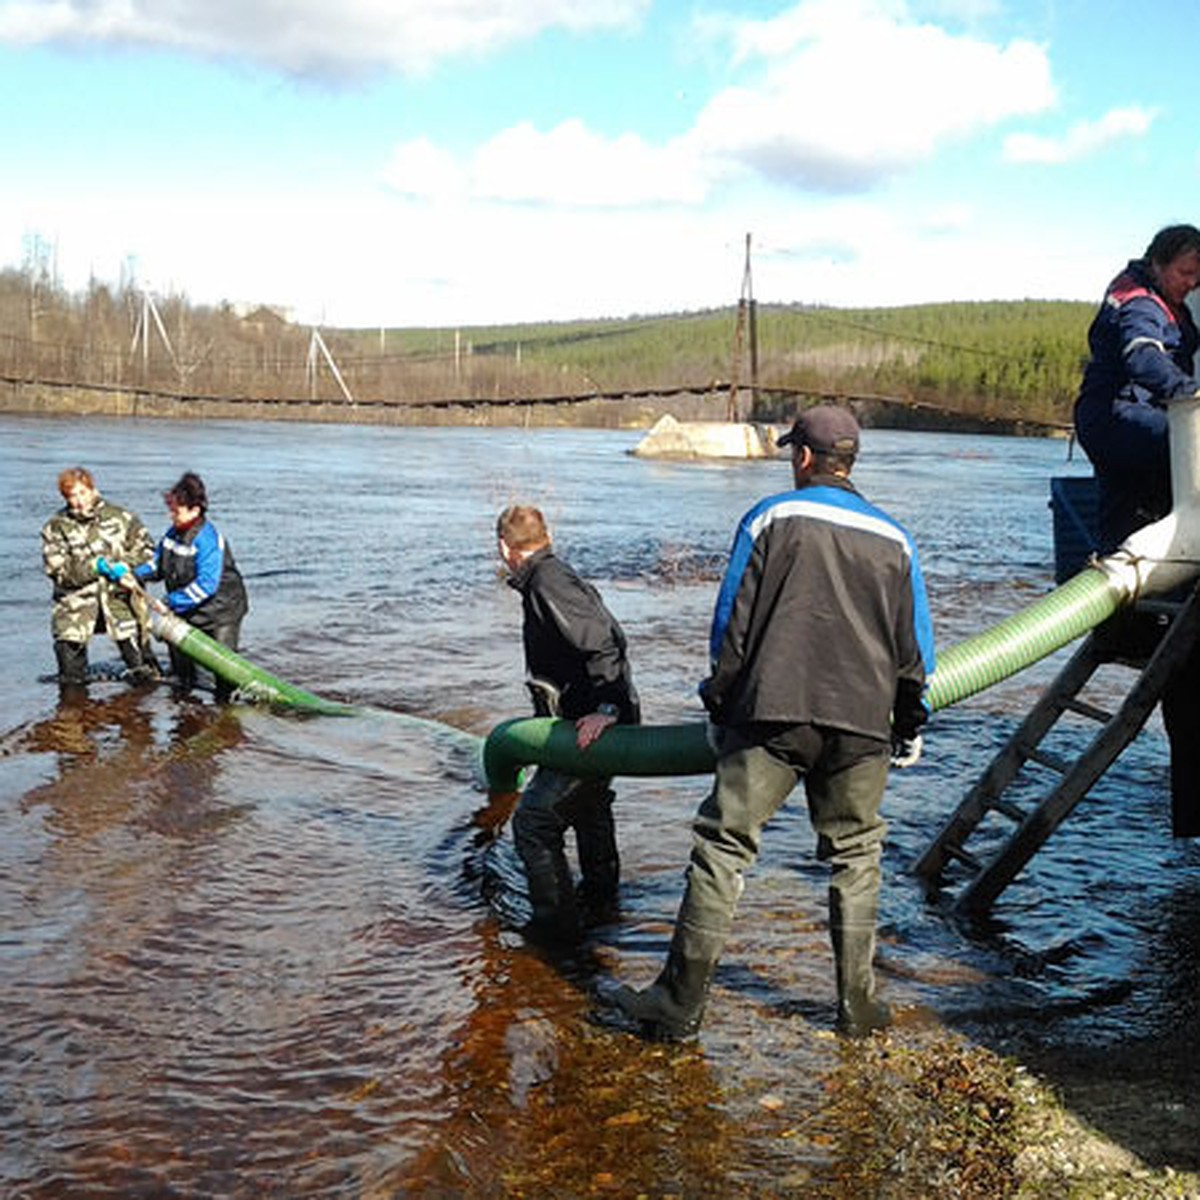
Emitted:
<point x="522" y="527"/>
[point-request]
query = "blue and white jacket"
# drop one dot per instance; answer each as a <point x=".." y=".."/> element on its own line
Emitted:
<point x="198" y="570"/>
<point x="822" y="618"/>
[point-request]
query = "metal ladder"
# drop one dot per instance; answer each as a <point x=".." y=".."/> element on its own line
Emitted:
<point x="1032" y="826"/>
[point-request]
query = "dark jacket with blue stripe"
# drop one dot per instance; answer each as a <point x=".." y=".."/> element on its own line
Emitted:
<point x="1142" y="348"/>
<point x="572" y="640"/>
<point x="822" y="618"/>
<point x="204" y="585"/>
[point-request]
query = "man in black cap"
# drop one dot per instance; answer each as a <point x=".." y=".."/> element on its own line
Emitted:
<point x="821" y="643"/>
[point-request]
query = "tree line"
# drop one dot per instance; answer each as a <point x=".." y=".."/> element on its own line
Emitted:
<point x="995" y="359"/>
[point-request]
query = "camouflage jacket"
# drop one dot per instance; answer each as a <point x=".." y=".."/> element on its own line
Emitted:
<point x="71" y="543"/>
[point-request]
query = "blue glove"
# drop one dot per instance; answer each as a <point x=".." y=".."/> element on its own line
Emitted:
<point x="108" y="570"/>
<point x="111" y="570"/>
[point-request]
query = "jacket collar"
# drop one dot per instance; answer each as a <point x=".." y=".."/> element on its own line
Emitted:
<point x="519" y="578"/>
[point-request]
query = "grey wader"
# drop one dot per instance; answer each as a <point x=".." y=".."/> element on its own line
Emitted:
<point x="751" y="784"/>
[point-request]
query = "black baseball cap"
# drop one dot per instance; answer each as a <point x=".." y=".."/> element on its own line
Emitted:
<point x="825" y="429"/>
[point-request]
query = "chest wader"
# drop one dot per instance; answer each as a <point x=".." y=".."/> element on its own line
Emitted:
<point x="750" y="786"/>
<point x="72" y="657"/>
<point x="553" y="803"/>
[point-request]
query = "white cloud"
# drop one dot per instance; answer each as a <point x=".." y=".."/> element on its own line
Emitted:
<point x="850" y="92"/>
<point x="419" y="169"/>
<point x="948" y="218"/>
<point x="563" y="220"/>
<point x="312" y="36"/>
<point x="842" y="94"/>
<point x="1081" y="140"/>
<point x="568" y="165"/>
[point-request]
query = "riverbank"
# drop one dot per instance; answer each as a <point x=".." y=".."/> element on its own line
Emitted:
<point x="616" y="410"/>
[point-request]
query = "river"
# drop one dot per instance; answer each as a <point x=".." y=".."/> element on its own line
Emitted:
<point x="248" y="953"/>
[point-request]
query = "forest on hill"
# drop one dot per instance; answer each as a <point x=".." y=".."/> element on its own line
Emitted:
<point x="998" y="359"/>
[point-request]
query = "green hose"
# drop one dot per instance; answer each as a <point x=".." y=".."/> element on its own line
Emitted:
<point x="621" y="750"/>
<point x="251" y="682"/>
<point x="1019" y="641"/>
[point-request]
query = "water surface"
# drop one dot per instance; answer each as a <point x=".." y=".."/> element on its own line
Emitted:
<point x="248" y="954"/>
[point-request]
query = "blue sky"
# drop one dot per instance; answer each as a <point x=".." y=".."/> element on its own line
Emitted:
<point x="459" y="162"/>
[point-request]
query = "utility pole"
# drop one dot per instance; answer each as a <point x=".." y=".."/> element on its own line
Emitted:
<point x="316" y="345"/>
<point x="746" y="329"/>
<point x="148" y="313"/>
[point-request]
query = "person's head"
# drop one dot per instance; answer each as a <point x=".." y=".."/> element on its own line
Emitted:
<point x="520" y="531"/>
<point x="187" y="500"/>
<point x="77" y="488"/>
<point x="1173" y="259"/>
<point x="824" y="441"/>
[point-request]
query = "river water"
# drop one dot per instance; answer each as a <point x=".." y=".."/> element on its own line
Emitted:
<point x="248" y="953"/>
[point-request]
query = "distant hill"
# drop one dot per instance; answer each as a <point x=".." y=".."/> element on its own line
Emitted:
<point x="998" y="359"/>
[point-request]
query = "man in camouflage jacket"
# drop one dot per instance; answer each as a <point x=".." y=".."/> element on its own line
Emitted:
<point x="85" y="529"/>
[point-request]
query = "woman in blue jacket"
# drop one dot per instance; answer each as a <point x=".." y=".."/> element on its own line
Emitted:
<point x="1143" y="343"/>
<point x="196" y="565"/>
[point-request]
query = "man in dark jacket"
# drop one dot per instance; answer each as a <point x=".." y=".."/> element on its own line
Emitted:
<point x="576" y="661"/>
<point x="821" y="643"/>
<point x="197" y="568"/>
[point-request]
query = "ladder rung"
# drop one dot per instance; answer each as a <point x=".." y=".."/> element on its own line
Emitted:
<point x="1009" y="809"/>
<point x="1134" y="664"/>
<point x="1160" y="608"/>
<point x="1084" y="709"/>
<point x="1052" y="761"/>
<point x="963" y="856"/>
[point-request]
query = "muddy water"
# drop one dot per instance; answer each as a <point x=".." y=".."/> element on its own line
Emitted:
<point x="249" y="954"/>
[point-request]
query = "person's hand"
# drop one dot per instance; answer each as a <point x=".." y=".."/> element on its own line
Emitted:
<point x="589" y="728"/>
<point x="110" y="570"/>
<point x="906" y="752"/>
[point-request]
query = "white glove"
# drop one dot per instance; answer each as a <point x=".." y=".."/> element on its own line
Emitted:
<point x="906" y="752"/>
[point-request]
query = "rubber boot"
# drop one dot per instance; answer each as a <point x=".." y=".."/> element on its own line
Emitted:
<point x="183" y="668"/>
<point x="140" y="663"/>
<point x="852" y="932"/>
<point x="672" y="1007"/>
<point x="72" y="663"/>
<point x="227" y="635"/>
<point x="538" y="834"/>
<point x="599" y="860"/>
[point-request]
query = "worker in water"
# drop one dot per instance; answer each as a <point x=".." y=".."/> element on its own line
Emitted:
<point x="577" y="666"/>
<point x="88" y="530"/>
<point x="1143" y="343"/>
<point x="821" y="644"/>
<point x="196" y="566"/>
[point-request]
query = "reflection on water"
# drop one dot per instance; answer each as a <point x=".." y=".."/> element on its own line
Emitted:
<point x="250" y="954"/>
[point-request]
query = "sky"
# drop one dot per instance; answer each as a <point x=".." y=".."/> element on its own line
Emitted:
<point x="464" y="162"/>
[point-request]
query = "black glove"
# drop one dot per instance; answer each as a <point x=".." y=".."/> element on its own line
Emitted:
<point x="711" y="704"/>
<point x="906" y="751"/>
<point x="545" y="696"/>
